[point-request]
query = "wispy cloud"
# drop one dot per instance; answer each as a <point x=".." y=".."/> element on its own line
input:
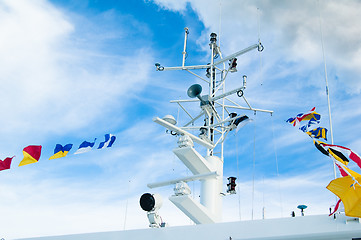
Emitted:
<point x="54" y="83"/>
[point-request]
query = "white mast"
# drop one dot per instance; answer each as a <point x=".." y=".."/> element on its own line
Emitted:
<point x="213" y="131"/>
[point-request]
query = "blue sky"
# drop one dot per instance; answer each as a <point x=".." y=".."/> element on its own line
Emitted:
<point x="76" y="70"/>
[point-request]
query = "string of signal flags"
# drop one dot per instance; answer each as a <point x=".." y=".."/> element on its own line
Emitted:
<point x="347" y="187"/>
<point x="32" y="153"/>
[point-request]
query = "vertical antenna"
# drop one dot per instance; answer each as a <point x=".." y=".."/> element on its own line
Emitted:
<point x="220" y="23"/>
<point x="254" y="164"/>
<point x="212" y="85"/>
<point x="327" y="91"/>
<point x="277" y="170"/>
<point x="126" y="208"/>
<point x="259" y="41"/>
<point x="259" y="26"/>
<point x="238" y="179"/>
<point x="185" y="45"/>
<point x="263" y="209"/>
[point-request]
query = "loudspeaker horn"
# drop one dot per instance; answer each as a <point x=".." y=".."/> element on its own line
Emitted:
<point x="194" y="91"/>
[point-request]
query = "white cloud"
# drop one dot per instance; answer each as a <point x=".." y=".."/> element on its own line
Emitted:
<point x="290" y="31"/>
<point x="172" y="5"/>
<point x="50" y="83"/>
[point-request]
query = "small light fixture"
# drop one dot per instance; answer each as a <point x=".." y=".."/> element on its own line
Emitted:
<point x="241" y="119"/>
<point x="151" y="203"/>
<point x="203" y="131"/>
<point x="231" y="185"/>
<point x="232" y="115"/>
<point x="233" y="65"/>
<point x="213" y="38"/>
<point x="208" y="71"/>
<point x="244" y="81"/>
<point x="159" y="67"/>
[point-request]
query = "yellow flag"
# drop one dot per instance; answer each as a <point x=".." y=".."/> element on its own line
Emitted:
<point x="28" y="159"/>
<point x="353" y="173"/>
<point x="349" y="192"/>
<point x="58" y="155"/>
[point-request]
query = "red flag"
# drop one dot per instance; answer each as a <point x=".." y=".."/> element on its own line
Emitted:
<point x="31" y="155"/>
<point x="336" y="207"/>
<point x="5" y="164"/>
<point x="343" y="173"/>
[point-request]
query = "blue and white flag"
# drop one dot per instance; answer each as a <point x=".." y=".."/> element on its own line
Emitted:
<point x="85" y="147"/>
<point x="109" y="140"/>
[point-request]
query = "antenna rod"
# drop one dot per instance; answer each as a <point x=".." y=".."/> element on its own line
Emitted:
<point x="212" y="85"/>
<point x="185" y="45"/>
<point x="327" y="91"/>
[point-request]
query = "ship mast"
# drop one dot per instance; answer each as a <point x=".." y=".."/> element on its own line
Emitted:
<point x="219" y="119"/>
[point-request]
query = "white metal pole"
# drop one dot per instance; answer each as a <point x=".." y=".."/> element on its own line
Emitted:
<point x="185" y="46"/>
<point x="327" y="89"/>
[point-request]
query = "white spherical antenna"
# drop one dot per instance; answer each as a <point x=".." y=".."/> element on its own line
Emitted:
<point x="170" y="119"/>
